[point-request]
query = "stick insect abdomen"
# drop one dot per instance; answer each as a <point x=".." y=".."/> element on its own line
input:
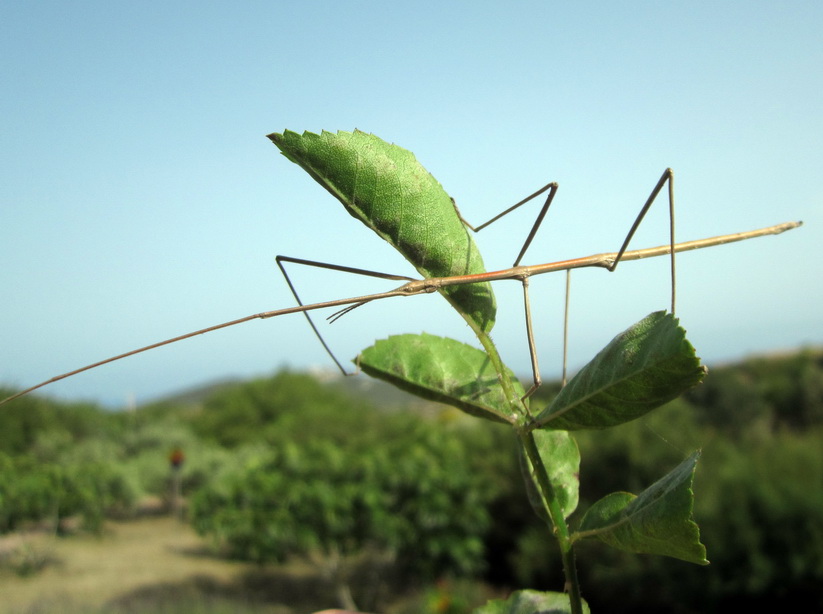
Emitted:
<point x="386" y="188"/>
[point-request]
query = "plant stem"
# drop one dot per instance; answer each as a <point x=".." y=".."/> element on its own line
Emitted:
<point x="560" y="528"/>
<point x="516" y="404"/>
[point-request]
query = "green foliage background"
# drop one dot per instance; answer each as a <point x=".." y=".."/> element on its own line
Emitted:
<point x="442" y="493"/>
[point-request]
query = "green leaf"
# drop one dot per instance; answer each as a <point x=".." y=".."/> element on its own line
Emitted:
<point x="386" y="188"/>
<point x="641" y="369"/>
<point x="658" y="521"/>
<point x="530" y="602"/>
<point x="561" y="458"/>
<point x="440" y="369"/>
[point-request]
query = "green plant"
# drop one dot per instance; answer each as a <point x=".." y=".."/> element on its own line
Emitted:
<point x="407" y="502"/>
<point x="641" y="369"/>
<point x="33" y="491"/>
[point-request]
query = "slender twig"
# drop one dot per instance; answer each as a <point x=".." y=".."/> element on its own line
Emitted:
<point x="426" y="286"/>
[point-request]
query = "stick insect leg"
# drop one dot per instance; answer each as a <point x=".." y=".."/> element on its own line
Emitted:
<point x="551" y="187"/>
<point x="666" y="177"/>
<point x="537" y="380"/>
<point x="552" y="190"/>
<point x="334" y="267"/>
<point x="530" y="334"/>
<point x="566" y="327"/>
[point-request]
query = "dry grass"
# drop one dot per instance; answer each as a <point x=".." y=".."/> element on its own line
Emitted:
<point x="149" y="565"/>
<point x="157" y="565"/>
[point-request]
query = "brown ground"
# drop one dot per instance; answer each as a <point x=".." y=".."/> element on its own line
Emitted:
<point x="150" y="564"/>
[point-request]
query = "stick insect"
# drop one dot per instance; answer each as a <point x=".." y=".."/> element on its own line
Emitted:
<point x="386" y="188"/>
<point x="382" y="216"/>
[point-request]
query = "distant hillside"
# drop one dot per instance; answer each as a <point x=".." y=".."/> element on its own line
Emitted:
<point x="387" y="396"/>
<point x="195" y="395"/>
<point x="375" y="391"/>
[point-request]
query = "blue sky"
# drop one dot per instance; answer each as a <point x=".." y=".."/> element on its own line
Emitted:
<point x="140" y="199"/>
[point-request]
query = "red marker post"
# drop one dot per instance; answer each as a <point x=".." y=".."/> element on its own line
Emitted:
<point x="176" y="458"/>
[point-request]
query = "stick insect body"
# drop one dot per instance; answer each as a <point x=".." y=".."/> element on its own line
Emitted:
<point x="433" y="237"/>
<point x="385" y="187"/>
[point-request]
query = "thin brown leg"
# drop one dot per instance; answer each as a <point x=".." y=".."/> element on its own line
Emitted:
<point x="334" y="267"/>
